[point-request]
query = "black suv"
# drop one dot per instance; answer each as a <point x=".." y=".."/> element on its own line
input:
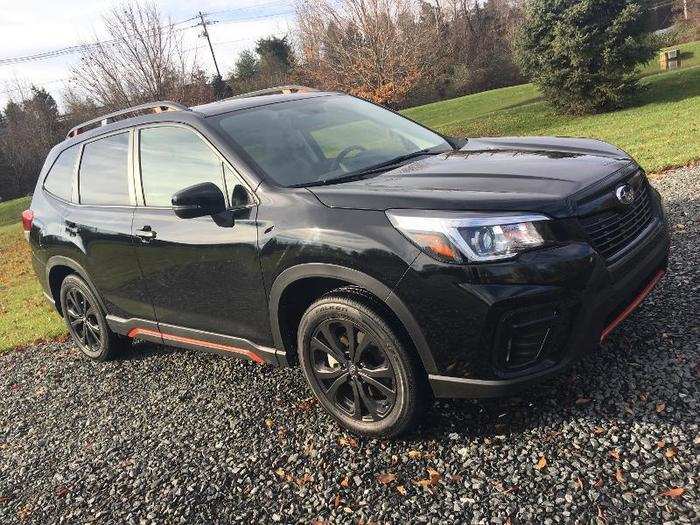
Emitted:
<point x="392" y="263"/>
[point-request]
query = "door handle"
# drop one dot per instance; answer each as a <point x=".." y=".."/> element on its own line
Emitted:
<point x="71" y="228"/>
<point x="146" y="234"/>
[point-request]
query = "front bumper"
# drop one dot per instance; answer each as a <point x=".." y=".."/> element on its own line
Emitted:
<point x="459" y="309"/>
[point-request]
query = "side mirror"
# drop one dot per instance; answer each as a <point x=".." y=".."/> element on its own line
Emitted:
<point x="240" y="197"/>
<point x="199" y="200"/>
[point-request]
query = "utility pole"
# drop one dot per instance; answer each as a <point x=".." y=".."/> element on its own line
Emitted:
<point x="205" y="34"/>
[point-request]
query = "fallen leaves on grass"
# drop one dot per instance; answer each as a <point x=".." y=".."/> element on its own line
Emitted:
<point x="670" y="452"/>
<point x="541" y="463"/>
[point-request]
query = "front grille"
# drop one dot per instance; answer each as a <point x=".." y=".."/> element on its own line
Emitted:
<point x="610" y="231"/>
<point x="530" y="337"/>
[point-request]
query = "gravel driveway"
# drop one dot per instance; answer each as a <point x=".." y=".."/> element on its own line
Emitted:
<point x="169" y="436"/>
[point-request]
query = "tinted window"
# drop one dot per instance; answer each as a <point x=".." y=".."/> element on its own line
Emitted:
<point x="173" y="158"/>
<point x="104" y="171"/>
<point x="59" y="181"/>
<point x="324" y="138"/>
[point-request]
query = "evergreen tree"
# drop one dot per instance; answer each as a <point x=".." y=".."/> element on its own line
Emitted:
<point x="584" y="54"/>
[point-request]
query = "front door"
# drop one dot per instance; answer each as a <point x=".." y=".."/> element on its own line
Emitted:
<point x="202" y="274"/>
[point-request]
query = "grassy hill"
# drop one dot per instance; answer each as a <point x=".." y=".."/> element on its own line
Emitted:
<point x="660" y="129"/>
<point x="690" y="57"/>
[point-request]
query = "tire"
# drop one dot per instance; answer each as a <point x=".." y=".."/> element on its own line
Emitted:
<point x="346" y="346"/>
<point x="86" y="321"/>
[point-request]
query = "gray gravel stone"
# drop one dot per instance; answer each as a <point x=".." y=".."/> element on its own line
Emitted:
<point x="165" y="436"/>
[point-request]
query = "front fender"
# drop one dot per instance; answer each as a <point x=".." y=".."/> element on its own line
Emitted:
<point x="358" y="278"/>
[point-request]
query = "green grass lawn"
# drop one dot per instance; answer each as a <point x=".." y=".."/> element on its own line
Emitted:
<point x="25" y="316"/>
<point x="661" y="129"/>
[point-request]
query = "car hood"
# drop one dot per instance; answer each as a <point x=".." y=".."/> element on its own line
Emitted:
<point x="519" y="174"/>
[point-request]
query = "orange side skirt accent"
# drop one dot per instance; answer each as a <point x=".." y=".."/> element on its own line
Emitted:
<point x="135" y="332"/>
<point x="634" y="304"/>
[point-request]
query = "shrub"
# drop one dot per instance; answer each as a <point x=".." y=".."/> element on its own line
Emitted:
<point x="583" y="54"/>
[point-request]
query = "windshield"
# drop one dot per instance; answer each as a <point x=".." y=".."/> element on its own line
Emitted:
<point x="323" y="139"/>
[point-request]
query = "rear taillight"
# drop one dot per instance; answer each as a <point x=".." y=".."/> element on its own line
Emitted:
<point x="27" y="219"/>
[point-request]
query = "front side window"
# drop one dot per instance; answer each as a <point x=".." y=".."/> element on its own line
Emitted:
<point x="172" y="159"/>
<point x="322" y="139"/>
<point x="104" y="171"/>
<point x="59" y="180"/>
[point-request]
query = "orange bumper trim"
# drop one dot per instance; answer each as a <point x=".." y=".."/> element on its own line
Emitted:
<point x="633" y="305"/>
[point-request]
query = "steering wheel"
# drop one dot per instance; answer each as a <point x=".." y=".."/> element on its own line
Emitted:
<point x="341" y="156"/>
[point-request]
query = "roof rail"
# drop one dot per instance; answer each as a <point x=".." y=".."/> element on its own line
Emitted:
<point x="277" y="90"/>
<point x="155" y="107"/>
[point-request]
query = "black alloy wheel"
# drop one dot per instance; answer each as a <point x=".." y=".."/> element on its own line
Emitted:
<point x="358" y="367"/>
<point x="86" y="321"/>
<point x="82" y="320"/>
<point x="353" y="369"/>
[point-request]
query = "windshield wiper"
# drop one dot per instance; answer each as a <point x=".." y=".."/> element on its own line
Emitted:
<point x="377" y="168"/>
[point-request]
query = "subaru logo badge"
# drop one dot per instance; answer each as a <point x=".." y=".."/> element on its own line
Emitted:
<point x="625" y="194"/>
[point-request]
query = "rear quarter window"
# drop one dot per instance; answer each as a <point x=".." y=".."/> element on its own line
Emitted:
<point x="104" y="171"/>
<point x="59" y="180"/>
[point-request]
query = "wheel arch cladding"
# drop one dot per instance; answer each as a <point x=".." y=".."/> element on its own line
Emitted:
<point x="312" y="281"/>
<point x="57" y="269"/>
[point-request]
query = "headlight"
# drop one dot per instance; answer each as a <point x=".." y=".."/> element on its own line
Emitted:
<point x="458" y="236"/>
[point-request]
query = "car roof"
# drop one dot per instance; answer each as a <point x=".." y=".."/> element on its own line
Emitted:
<point x="191" y="114"/>
<point x="234" y="104"/>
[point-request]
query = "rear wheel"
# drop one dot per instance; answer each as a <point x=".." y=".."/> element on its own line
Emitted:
<point x="86" y="321"/>
<point x="358" y="367"/>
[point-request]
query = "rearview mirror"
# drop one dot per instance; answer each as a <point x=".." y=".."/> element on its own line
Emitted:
<point x="199" y="200"/>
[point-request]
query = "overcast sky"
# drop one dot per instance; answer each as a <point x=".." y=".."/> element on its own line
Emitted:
<point x="28" y="27"/>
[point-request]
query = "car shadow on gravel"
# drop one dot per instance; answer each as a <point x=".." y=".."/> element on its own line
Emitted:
<point x="139" y="350"/>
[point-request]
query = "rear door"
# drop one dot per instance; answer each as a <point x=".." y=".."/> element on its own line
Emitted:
<point x="203" y="274"/>
<point x="101" y="224"/>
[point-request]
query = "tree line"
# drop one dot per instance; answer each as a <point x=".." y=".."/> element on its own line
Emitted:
<point x="398" y="53"/>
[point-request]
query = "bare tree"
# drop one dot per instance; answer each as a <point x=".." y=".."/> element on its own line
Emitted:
<point x="376" y="49"/>
<point x="142" y="60"/>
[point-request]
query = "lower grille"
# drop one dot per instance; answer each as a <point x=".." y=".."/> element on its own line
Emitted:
<point x="611" y="231"/>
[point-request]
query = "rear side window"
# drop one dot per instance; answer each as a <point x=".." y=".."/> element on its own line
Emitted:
<point x="104" y="171"/>
<point x="59" y="180"/>
<point x="172" y="159"/>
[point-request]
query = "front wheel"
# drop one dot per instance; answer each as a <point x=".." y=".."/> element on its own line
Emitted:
<point x="86" y="321"/>
<point x="358" y="368"/>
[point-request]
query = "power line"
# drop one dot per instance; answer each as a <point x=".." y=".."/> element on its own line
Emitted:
<point x="76" y="48"/>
